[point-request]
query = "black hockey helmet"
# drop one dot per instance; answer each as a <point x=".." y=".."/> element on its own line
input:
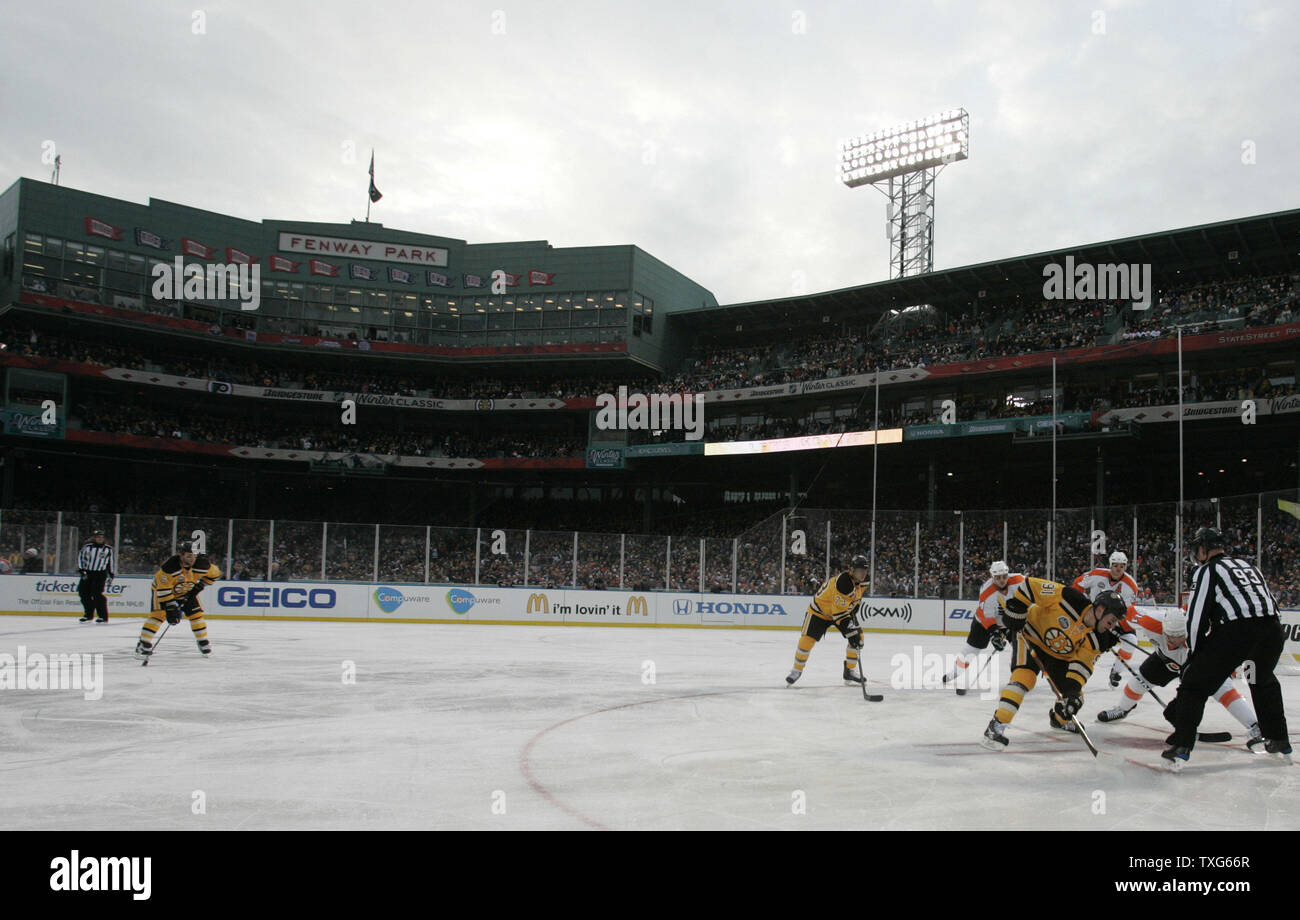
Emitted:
<point x="1109" y="602"/>
<point x="860" y="562"/>
<point x="182" y="548"/>
<point x="1208" y="537"/>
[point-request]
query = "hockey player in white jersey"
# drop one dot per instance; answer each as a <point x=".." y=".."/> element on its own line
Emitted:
<point x="1116" y="579"/>
<point x="988" y="626"/>
<point x="1167" y="631"/>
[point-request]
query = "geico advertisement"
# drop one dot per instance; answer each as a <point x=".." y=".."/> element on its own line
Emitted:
<point x="284" y="599"/>
<point x="58" y="594"/>
<point x="1291" y="620"/>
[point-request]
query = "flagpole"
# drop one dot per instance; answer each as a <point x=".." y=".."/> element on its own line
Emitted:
<point x="370" y="187"/>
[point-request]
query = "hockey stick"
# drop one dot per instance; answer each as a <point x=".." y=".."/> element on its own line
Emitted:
<point x="961" y="691"/>
<point x="1213" y="737"/>
<point x="869" y="697"/>
<point x="1123" y="637"/>
<point x="157" y="642"/>
<point x="1051" y="683"/>
<point x="1142" y="681"/>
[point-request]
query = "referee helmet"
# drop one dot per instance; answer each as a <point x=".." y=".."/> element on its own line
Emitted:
<point x="1208" y="537"/>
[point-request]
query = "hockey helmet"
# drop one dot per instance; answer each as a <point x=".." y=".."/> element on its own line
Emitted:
<point x="999" y="568"/>
<point x="1208" y="537"/>
<point x="860" y="562"/>
<point x="1175" y="625"/>
<point x="1109" y="603"/>
<point x="182" y="548"/>
<point x="1118" y="558"/>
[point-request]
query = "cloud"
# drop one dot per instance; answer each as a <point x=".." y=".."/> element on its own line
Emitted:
<point x="705" y="133"/>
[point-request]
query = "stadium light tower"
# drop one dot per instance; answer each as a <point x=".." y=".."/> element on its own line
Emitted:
<point x="903" y="164"/>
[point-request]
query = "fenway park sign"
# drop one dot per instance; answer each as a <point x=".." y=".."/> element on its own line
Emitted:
<point x="340" y="247"/>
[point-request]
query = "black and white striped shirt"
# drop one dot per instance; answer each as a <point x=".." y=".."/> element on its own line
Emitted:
<point x="96" y="557"/>
<point x="1226" y="588"/>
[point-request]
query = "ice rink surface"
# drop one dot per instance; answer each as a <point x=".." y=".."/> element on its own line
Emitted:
<point x="510" y="727"/>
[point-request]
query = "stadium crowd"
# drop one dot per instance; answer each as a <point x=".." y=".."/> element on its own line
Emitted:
<point x="916" y="553"/>
<point x="204" y="366"/>
<point x="157" y="422"/>
<point x="924" y="339"/>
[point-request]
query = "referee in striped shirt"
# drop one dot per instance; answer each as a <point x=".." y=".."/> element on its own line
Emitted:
<point x="1232" y="618"/>
<point x="95" y="563"/>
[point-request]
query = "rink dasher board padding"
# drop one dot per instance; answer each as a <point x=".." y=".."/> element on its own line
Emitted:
<point x="51" y="595"/>
<point x="130" y="596"/>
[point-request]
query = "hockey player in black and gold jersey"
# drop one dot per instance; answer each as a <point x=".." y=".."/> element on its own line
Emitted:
<point x="176" y="588"/>
<point x="835" y="604"/>
<point x="1059" y="630"/>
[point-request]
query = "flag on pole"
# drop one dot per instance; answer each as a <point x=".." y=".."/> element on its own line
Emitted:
<point x="374" y="192"/>
<point x="1290" y="508"/>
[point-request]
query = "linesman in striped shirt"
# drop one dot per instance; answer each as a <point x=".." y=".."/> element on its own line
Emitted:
<point x="1232" y="620"/>
<point x="95" y="563"/>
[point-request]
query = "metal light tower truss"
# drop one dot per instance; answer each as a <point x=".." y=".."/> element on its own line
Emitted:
<point x="903" y="164"/>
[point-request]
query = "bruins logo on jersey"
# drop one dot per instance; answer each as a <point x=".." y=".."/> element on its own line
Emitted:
<point x="1058" y="642"/>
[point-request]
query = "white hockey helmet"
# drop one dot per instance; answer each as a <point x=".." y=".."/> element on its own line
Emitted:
<point x="999" y="568"/>
<point x="1118" y="558"/>
<point x="1176" y="623"/>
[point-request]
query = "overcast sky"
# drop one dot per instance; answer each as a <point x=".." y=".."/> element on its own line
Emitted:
<point x="704" y="132"/>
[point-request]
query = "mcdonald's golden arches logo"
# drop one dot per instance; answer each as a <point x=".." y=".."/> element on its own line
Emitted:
<point x="538" y="603"/>
<point x="637" y="605"/>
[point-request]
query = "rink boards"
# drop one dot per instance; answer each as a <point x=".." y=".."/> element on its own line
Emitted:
<point x="55" y="595"/>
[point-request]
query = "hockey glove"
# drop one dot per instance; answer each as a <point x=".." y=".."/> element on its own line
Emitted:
<point x="849" y="628"/>
<point x="1066" y="708"/>
<point x="173" y="611"/>
<point x="998" y="638"/>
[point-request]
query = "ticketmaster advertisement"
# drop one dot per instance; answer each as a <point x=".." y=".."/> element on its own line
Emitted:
<point x="57" y="594"/>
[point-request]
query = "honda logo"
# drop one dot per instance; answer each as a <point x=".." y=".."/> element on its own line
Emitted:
<point x="682" y="608"/>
